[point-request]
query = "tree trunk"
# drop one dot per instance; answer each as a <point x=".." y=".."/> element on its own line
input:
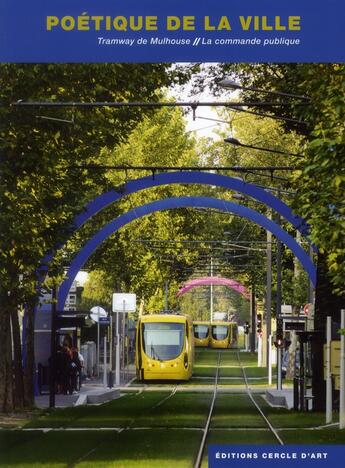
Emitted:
<point x="6" y="374"/>
<point x="326" y="303"/>
<point x="29" y="365"/>
<point x="17" y="360"/>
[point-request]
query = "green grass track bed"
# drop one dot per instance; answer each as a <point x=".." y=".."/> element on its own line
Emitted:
<point x="163" y="448"/>
<point x="235" y="411"/>
<point x="148" y="409"/>
<point x="117" y="413"/>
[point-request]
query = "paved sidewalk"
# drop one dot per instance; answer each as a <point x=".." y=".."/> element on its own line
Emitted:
<point x="92" y="392"/>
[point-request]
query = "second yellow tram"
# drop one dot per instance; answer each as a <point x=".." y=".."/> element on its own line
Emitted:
<point x="223" y="335"/>
<point x="201" y="334"/>
<point x="164" y="347"/>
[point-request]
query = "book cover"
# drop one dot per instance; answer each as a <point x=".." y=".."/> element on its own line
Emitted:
<point x="172" y="233"/>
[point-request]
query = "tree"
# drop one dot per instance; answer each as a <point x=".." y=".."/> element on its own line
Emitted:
<point x="160" y="139"/>
<point x="41" y="189"/>
<point x="153" y="250"/>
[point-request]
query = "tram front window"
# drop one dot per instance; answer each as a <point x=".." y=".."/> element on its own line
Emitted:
<point x="200" y="331"/>
<point x="163" y="341"/>
<point x="219" y="332"/>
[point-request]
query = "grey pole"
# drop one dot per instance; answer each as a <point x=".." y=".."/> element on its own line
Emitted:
<point x="328" y="371"/>
<point x="253" y="320"/>
<point x="268" y="292"/>
<point x="211" y="294"/>
<point x="166" y="287"/>
<point x="105" y="363"/>
<point x="311" y="287"/>
<point x="111" y="382"/>
<point x="98" y="341"/>
<point x="278" y="309"/>
<point x="117" y="355"/>
<point x="52" y="369"/>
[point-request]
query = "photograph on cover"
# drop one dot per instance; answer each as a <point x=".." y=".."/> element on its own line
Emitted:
<point x="172" y="264"/>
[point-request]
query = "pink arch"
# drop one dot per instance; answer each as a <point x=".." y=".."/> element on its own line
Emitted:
<point x="216" y="281"/>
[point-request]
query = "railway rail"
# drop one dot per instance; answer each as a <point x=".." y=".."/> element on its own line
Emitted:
<point x="201" y="450"/>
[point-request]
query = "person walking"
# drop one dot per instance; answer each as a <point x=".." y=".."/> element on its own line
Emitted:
<point x="75" y="370"/>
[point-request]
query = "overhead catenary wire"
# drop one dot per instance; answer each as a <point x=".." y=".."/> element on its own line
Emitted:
<point x="271" y="116"/>
<point x="227" y="244"/>
<point x="128" y="167"/>
<point x="147" y="104"/>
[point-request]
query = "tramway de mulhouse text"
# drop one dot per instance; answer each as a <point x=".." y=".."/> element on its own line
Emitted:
<point x="198" y="41"/>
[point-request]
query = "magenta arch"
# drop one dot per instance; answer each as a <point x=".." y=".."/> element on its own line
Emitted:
<point x="216" y="281"/>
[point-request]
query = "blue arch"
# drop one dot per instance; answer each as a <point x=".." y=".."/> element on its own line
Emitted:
<point x="181" y="202"/>
<point x="199" y="178"/>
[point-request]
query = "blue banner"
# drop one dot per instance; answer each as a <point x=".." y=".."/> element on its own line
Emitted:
<point x="269" y="456"/>
<point x="172" y="30"/>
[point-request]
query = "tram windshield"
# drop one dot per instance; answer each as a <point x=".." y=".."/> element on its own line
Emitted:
<point x="219" y="332"/>
<point x="163" y="341"/>
<point x="200" y="331"/>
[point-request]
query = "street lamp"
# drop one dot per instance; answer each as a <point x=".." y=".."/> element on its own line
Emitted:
<point x="234" y="141"/>
<point x="230" y="84"/>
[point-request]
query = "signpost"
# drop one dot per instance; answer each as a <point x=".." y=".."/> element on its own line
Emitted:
<point x="122" y="303"/>
<point x="97" y="314"/>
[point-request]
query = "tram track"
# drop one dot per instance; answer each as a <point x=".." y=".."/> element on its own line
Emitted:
<point x="208" y="429"/>
<point x="161" y="402"/>
<point x="156" y="405"/>
<point x="201" y="450"/>
<point x="249" y="393"/>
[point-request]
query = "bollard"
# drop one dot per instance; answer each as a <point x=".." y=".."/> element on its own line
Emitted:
<point x="105" y="363"/>
<point x="270" y="360"/>
<point x="296" y="393"/>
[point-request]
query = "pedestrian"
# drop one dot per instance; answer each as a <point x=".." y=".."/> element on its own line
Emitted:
<point x="75" y="370"/>
<point x="66" y="360"/>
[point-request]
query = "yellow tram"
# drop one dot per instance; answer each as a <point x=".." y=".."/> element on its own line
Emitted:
<point x="201" y="334"/>
<point x="223" y="335"/>
<point x="164" y="347"/>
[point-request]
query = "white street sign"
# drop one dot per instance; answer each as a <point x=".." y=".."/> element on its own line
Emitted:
<point x="97" y="312"/>
<point x="286" y="309"/>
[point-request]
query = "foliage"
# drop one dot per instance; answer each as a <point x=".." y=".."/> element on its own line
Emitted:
<point x="320" y="181"/>
<point x="41" y="189"/>
<point x="173" y="246"/>
<point x="135" y="261"/>
<point x="36" y="151"/>
<point x="262" y="133"/>
<point x="196" y="303"/>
